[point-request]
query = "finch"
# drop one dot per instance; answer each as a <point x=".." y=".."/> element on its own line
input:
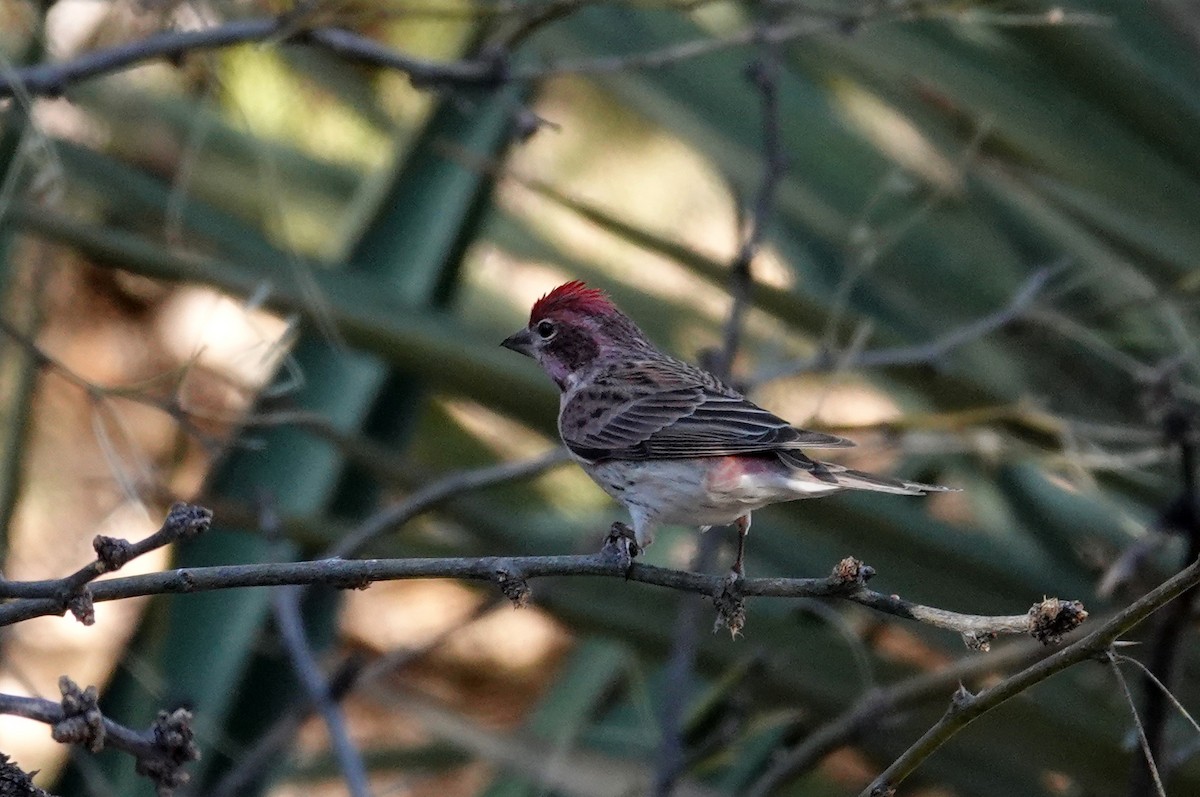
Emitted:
<point x="666" y="439"/>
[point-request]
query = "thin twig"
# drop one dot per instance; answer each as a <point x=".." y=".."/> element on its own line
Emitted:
<point x="880" y="703"/>
<point x="100" y="394"/>
<point x="161" y="751"/>
<point x="439" y="491"/>
<point x="681" y="664"/>
<point x="764" y="75"/>
<point x="52" y="79"/>
<point x="1166" y="692"/>
<point x="966" y="708"/>
<point x="932" y="351"/>
<point x="1147" y="754"/>
<point x="346" y="679"/>
<point x="70" y="592"/>
<point x="1182" y="516"/>
<point x="286" y="605"/>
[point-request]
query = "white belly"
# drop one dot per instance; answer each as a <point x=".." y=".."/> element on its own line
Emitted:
<point x="684" y="492"/>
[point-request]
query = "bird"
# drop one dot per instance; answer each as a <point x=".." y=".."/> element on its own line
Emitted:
<point x="671" y="441"/>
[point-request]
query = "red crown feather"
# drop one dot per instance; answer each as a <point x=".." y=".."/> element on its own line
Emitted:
<point x="574" y="296"/>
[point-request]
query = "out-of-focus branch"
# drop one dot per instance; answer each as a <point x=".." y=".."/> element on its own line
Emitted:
<point x="350" y="676"/>
<point x="1183" y="517"/>
<point x="162" y="751"/>
<point x="880" y="703"/>
<point x="670" y="762"/>
<point x="550" y="766"/>
<point x="487" y="70"/>
<point x="378" y="459"/>
<point x="932" y="351"/>
<point x="286" y="605"/>
<point x="439" y="491"/>
<point x="764" y="75"/>
<point x="169" y="405"/>
<point x="52" y="79"/>
<point x="966" y="707"/>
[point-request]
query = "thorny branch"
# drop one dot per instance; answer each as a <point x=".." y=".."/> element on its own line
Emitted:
<point x="966" y="707"/>
<point x="161" y="751"/>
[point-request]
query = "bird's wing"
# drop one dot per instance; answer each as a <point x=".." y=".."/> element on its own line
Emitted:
<point x="674" y="411"/>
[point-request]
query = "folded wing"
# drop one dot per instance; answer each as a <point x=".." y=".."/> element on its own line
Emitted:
<point x="648" y="413"/>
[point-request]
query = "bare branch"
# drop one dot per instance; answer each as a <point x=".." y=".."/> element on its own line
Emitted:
<point x="183" y="521"/>
<point x="764" y="75"/>
<point x="680" y="673"/>
<point x="50" y="79"/>
<point x="1147" y="753"/>
<point x="488" y="70"/>
<point x="880" y="703"/>
<point x="439" y="491"/>
<point x="349" y="677"/>
<point x="966" y="708"/>
<point x="925" y="353"/>
<point x="1182" y="515"/>
<point x="1046" y="620"/>
<point x="161" y="751"/>
<point x="286" y="605"/>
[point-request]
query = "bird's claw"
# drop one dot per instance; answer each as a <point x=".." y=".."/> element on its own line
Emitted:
<point x="621" y="546"/>
<point x="730" y="604"/>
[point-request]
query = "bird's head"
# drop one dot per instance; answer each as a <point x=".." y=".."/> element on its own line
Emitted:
<point x="572" y="329"/>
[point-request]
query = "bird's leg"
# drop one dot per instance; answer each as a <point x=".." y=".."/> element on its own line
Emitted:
<point x="743" y="528"/>
<point x="621" y="545"/>
<point x="621" y="531"/>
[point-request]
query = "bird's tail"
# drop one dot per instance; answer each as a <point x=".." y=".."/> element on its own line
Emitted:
<point x="847" y="478"/>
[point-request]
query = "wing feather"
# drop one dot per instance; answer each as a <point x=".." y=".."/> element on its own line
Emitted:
<point x="651" y="411"/>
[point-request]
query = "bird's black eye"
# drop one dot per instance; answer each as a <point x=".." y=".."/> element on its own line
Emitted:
<point x="546" y="329"/>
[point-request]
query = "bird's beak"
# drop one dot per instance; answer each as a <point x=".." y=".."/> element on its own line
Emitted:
<point x="520" y="342"/>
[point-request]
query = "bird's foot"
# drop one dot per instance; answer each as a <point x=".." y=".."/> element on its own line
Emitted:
<point x="621" y="546"/>
<point x="730" y="605"/>
<point x="737" y="572"/>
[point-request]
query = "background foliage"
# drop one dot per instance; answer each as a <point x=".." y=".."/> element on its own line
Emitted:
<point x="289" y="273"/>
